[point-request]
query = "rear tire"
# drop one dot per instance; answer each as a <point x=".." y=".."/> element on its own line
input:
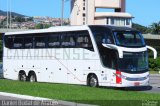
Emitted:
<point x="32" y="77"/>
<point x="22" y="76"/>
<point x="92" y="81"/>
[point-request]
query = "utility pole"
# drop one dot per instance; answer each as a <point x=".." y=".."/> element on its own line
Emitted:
<point x="62" y="12"/>
<point x="7" y="15"/>
<point x="0" y="19"/>
<point x="10" y="14"/>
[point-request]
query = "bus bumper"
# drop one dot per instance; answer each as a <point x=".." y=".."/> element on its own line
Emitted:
<point x="133" y="83"/>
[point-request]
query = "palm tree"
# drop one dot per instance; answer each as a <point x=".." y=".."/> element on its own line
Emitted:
<point x="155" y="28"/>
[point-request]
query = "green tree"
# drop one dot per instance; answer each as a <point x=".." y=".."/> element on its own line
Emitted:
<point x="155" y="27"/>
<point x="19" y="19"/>
<point x="141" y="28"/>
<point x="30" y="19"/>
<point x="39" y="26"/>
<point x="42" y="26"/>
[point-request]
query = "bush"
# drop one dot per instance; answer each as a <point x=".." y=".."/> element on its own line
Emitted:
<point x="154" y="65"/>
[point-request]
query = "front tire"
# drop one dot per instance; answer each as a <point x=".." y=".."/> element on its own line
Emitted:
<point x="92" y="81"/>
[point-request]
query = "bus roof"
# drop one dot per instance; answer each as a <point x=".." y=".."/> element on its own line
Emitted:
<point x="69" y="28"/>
<point x="115" y="28"/>
<point x="51" y="29"/>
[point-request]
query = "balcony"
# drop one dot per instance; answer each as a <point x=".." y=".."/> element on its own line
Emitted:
<point x="108" y="3"/>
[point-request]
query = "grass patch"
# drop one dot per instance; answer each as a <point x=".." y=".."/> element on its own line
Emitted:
<point x="153" y="72"/>
<point x="76" y="93"/>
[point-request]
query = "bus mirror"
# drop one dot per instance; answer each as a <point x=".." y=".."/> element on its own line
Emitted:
<point x="111" y="46"/>
<point x="154" y="51"/>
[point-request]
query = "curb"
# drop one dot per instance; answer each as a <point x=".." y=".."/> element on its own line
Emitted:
<point x="59" y="102"/>
<point x="154" y="75"/>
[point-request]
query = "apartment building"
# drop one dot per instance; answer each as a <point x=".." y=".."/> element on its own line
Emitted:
<point x="85" y="12"/>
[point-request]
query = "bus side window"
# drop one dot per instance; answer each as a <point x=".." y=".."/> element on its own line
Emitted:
<point x="40" y="42"/>
<point x="28" y="42"/>
<point x="68" y="40"/>
<point x="84" y="41"/>
<point x="53" y="41"/>
<point x="99" y="38"/>
<point x="9" y="42"/>
<point x="18" y="42"/>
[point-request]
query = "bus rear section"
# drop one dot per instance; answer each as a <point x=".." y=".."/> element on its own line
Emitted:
<point x="55" y="55"/>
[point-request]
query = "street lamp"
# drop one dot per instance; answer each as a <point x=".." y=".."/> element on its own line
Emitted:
<point x="10" y="15"/>
<point x="62" y="13"/>
<point x="7" y="15"/>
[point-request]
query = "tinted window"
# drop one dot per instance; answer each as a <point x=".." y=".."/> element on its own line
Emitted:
<point x="129" y="39"/>
<point x="40" y="41"/>
<point x="28" y="42"/>
<point x="18" y="42"/>
<point x="9" y="41"/>
<point x="68" y="40"/>
<point x="134" y="62"/>
<point x="74" y="39"/>
<point x="84" y="40"/>
<point x="53" y="41"/>
<point x="102" y="35"/>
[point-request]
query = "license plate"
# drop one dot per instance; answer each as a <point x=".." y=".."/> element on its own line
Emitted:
<point x="136" y="84"/>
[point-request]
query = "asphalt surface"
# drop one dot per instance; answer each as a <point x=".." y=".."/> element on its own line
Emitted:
<point x="8" y="98"/>
<point x="154" y="83"/>
<point x="153" y="88"/>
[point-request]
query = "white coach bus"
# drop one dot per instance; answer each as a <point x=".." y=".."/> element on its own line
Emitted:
<point x="86" y="55"/>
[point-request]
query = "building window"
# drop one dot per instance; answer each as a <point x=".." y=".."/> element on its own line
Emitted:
<point x="112" y="21"/>
<point x="107" y="21"/>
<point x="84" y="15"/>
<point x="128" y="21"/>
<point x="84" y="8"/>
<point x="84" y="19"/>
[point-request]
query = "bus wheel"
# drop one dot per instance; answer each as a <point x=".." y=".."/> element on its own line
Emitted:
<point x="32" y="77"/>
<point x="92" y="81"/>
<point x="22" y="76"/>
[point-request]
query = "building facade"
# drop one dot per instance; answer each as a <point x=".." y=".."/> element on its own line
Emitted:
<point x="85" y="12"/>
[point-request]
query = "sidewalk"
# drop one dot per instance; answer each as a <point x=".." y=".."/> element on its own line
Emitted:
<point x="55" y="102"/>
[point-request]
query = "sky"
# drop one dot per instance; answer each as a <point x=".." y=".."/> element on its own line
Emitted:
<point x="145" y="11"/>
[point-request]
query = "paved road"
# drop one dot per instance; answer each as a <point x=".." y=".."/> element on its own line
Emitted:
<point x="155" y="80"/>
<point x="154" y="84"/>
<point x="153" y="88"/>
<point x="8" y="98"/>
<point x="5" y="99"/>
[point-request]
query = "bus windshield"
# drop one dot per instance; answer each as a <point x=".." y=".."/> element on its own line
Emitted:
<point x="129" y="39"/>
<point x="133" y="62"/>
